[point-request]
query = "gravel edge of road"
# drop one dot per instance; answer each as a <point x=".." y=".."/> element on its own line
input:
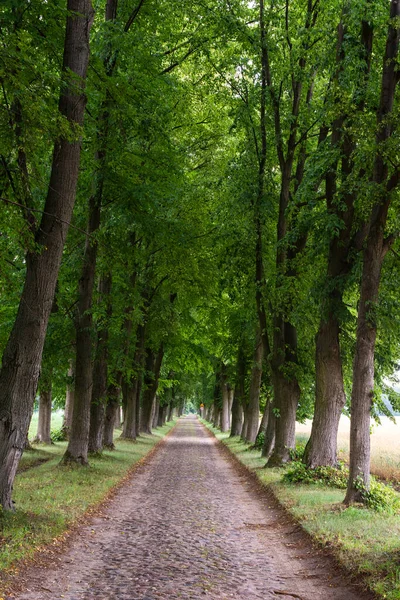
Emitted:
<point x="265" y="492"/>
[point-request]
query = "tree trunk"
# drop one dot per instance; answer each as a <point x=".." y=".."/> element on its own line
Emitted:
<point x="129" y="393"/>
<point x="287" y="395"/>
<point x="69" y="401"/>
<point x="243" y="433"/>
<point x="231" y="395"/>
<point x="237" y="415"/>
<point x="156" y="411"/>
<point x="170" y="412"/>
<point x="118" y="421"/>
<point x="78" y="445"/>
<point x="23" y="353"/>
<point x="100" y="374"/>
<point x="44" y="424"/>
<point x="113" y="392"/>
<point x="239" y="393"/>
<point x="264" y="421"/>
<point x="330" y="398"/>
<point x="253" y="408"/>
<point x="162" y="415"/>
<point x="153" y="368"/>
<point x="269" y="438"/>
<point x="225" y="408"/>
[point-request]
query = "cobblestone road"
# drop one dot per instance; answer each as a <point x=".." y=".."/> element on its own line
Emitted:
<point x="188" y="525"/>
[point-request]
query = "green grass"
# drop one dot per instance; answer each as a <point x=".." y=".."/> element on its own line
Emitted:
<point x="50" y="498"/>
<point x="364" y="541"/>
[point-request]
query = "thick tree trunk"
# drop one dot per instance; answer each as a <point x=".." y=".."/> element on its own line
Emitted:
<point x="69" y="401"/>
<point x="153" y="368"/>
<point x="170" y="412"/>
<point x="253" y="408"/>
<point x="23" y="353"/>
<point x="44" y="424"/>
<point x="129" y="393"/>
<point x="330" y="397"/>
<point x="111" y="413"/>
<point x="286" y="395"/>
<point x="162" y="414"/>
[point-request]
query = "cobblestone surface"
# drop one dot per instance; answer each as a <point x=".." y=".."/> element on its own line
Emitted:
<point x="189" y="526"/>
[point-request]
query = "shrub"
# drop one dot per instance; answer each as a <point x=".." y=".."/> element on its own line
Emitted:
<point x="330" y="476"/>
<point x="380" y="497"/>
<point x="57" y="435"/>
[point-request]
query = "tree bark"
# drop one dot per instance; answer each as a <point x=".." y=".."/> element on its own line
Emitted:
<point x="156" y="411"/>
<point x="23" y="352"/>
<point x="264" y="420"/>
<point x="287" y="394"/>
<point x="78" y="445"/>
<point x="152" y="374"/>
<point x="100" y="373"/>
<point x="112" y="407"/>
<point x="239" y="393"/>
<point x="69" y="401"/>
<point x="44" y="424"/>
<point x="269" y="438"/>
<point x="253" y="407"/>
<point x="225" y="401"/>
<point x="330" y="398"/>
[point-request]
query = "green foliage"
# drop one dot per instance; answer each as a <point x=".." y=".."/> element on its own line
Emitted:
<point x="379" y="496"/>
<point x="57" y="435"/>
<point x="298" y="472"/>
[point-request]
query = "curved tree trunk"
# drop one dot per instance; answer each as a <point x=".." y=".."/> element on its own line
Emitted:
<point x="23" y="353"/>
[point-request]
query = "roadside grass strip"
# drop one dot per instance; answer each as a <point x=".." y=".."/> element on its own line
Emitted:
<point x="364" y="541"/>
<point x="50" y="498"/>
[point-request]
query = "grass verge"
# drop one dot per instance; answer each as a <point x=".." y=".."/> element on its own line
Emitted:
<point x="364" y="541"/>
<point x="50" y="499"/>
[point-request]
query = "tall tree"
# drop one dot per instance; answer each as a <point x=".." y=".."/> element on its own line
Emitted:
<point x="22" y="355"/>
